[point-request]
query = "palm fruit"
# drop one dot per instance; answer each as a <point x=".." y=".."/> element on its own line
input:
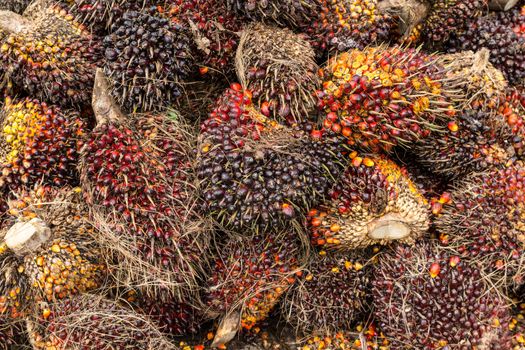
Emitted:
<point x="214" y="31"/>
<point x="256" y="172"/>
<point x="136" y="175"/>
<point x="483" y="219"/>
<point x="292" y="13"/>
<point x="250" y="276"/>
<point x="450" y="17"/>
<point x="409" y="16"/>
<point x="99" y="15"/>
<point x="348" y="24"/>
<point x="147" y="56"/>
<point x="40" y="143"/>
<point x="427" y="298"/>
<point x="50" y="56"/>
<point x="172" y="317"/>
<point x="279" y="68"/>
<point x="362" y="338"/>
<point x="499" y="33"/>
<point x="381" y="97"/>
<point x="330" y="294"/>
<point x="92" y="322"/>
<point x="48" y="253"/>
<point x="17" y="6"/>
<point x="374" y="202"/>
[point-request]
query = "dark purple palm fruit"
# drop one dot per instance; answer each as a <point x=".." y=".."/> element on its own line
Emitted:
<point x="92" y="322"/>
<point x="215" y="33"/>
<point x="250" y="276"/>
<point x="147" y="57"/>
<point x="482" y="220"/>
<point x="137" y="176"/>
<point x="426" y="297"/>
<point x="448" y="18"/>
<point x="257" y="172"/>
<point x="279" y="68"/>
<point x="49" y="55"/>
<point x="331" y="293"/>
<point x="501" y="34"/>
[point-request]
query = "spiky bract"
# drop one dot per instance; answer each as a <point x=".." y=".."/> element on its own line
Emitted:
<point x="91" y="322"/>
<point x="426" y="298"/>
<point x="138" y="180"/>
<point x="40" y="143"/>
<point x="256" y="172"/>
<point x="483" y="220"/>
<point x="331" y="293"/>
<point x="53" y="58"/>
<point x="381" y="97"/>
<point x="251" y="275"/>
<point x="279" y="68"/>
<point x="373" y="193"/>
<point x="147" y="56"/>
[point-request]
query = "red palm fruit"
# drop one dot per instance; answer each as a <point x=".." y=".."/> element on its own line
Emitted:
<point x="49" y="55"/>
<point x="500" y="34"/>
<point x="92" y="322"/>
<point x="330" y="294"/>
<point x="136" y="174"/>
<point x="40" y="144"/>
<point x="348" y="24"/>
<point x="48" y="253"/>
<point x="382" y="97"/>
<point x="357" y="339"/>
<point x="483" y="220"/>
<point x="214" y="30"/>
<point x="374" y="202"/>
<point x="147" y="56"/>
<point x="249" y="278"/>
<point x="257" y="172"/>
<point x="279" y="68"/>
<point x="450" y="17"/>
<point x="428" y="298"/>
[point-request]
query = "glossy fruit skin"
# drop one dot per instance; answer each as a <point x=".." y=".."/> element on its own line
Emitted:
<point x="257" y="172"/>
<point x="414" y="286"/>
<point x="53" y="60"/>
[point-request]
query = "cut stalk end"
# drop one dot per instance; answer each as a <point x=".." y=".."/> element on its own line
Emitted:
<point x="389" y="227"/>
<point x="26" y="237"/>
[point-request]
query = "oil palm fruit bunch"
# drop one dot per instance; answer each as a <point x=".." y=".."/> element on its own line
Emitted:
<point x="374" y="202"/>
<point x="147" y="56"/>
<point x="409" y="16"/>
<point x="49" y="55"/>
<point x="291" y="13"/>
<point x="428" y="298"/>
<point x="17" y="6"/>
<point x="381" y="97"/>
<point x="92" y="322"/>
<point x="362" y="338"/>
<point x="500" y="34"/>
<point x="40" y="143"/>
<point x="256" y="172"/>
<point x="99" y="15"/>
<point x="250" y="276"/>
<point x="137" y="178"/>
<point x="482" y="220"/>
<point x="172" y="317"/>
<point x="348" y="24"/>
<point x="214" y="30"/>
<point x="450" y="17"/>
<point x="279" y="68"/>
<point x="330" y="294"/>
<point x="48" y="252"/>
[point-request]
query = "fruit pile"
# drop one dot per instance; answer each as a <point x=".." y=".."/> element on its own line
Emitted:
<point x="262" y="174"/>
